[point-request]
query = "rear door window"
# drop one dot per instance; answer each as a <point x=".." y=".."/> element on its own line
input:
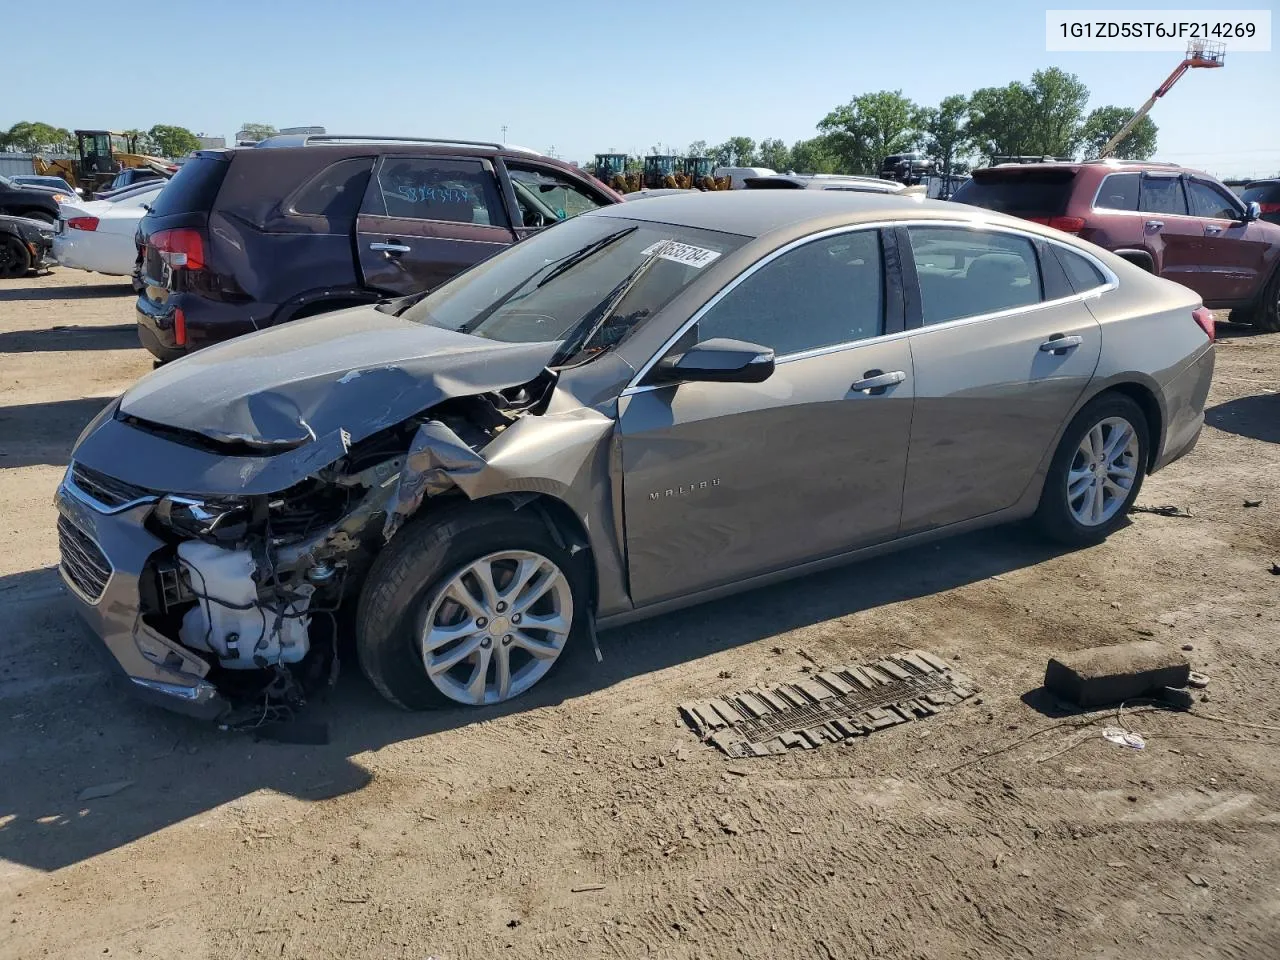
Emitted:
<point x="1119" y="191"/>
<point x="968" y="273"/>
<point x="427" y="188"/>
<point x="336" y="192"/>
<point x="1162" y="195"/>
<point x="1209" y="201"/>
<point x="1022" y="193"/>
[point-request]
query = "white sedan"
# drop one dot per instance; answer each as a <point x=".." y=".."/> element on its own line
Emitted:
<point x="97" y="235"/>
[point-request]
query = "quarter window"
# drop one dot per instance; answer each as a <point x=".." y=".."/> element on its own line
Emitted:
<point x="1084" y="276"/>
<point x="336" y="191"/>
<point x="456" y="191"/>
<point x="826" y="292"/>
<point x="966" y="273"/>
<point x="1162" y="195"/>
<point x="1119" y="191"/>
<point x="1208" y="201"/>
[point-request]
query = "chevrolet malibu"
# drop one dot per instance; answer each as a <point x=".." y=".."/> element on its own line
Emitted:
<point x="641" y="408"/>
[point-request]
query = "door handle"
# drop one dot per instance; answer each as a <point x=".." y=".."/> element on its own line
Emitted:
<point x="1213" y="228"/>
<point x="390" y="248"/>
<point x="876" y="382"/>
<point x="1059" y="344"/>
<point x="1154" y="224"/>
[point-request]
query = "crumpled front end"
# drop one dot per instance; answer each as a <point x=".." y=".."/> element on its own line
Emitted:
<point x="219" y="599"/>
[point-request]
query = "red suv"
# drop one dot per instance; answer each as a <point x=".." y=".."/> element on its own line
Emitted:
<point x="1181" y="224"/>
<point x="249" y="238"/>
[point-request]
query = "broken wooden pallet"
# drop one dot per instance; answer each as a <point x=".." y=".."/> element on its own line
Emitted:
<point x="828" y="706"/>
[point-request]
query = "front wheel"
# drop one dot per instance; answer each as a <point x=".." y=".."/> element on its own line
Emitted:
<point x="1096" y="472"/>
<point x="15" y="258"/>
<point x="473" y="608"/>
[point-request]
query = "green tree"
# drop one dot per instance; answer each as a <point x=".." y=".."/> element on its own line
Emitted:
<point x="946" y="137"/>
<point x="1105" y="122"/>
<point x="870" y="127"/>
<point x="696" y="149"/>
<point x="141" y="139"/>
<point x="815" y="155"/>
<point x="34" y="137"/>
<point x="172" y="141"/>
<point x="774" y="155"/>
<point x="256" y="131"/>
<point x="1000" y="120"/>
<point x="1058" y="101"/>
<point x="734" y="152"/>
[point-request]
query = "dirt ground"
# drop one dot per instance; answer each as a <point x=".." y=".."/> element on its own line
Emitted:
<point x="1000" y="828"/>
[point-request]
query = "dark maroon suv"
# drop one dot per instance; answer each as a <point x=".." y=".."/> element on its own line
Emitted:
<point x="248" y="238"/>
<point x="1181" y="224"/>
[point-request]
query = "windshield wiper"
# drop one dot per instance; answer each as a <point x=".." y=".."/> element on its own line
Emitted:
<point x="590" y="250"/>
<point x="589" y="325"/>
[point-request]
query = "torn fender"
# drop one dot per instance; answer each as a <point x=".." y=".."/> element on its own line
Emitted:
<point x="551" y="454"/>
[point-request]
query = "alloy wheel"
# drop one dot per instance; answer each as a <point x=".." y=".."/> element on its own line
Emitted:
<point x="1103" y="471"/>
<point x="497" y="627"/>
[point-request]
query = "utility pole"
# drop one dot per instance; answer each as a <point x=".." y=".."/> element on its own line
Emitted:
<point x="504" y="133"/>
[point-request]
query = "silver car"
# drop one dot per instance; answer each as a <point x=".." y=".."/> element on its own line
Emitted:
<point x="643" y="407"/>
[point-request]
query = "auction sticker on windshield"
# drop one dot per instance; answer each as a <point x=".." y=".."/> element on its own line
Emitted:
<point x="697" y="257"/>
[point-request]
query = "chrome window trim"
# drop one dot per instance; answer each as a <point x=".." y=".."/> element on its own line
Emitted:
<point x="634" y="386"/>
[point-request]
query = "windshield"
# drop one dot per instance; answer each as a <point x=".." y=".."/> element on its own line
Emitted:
<point x="586" y="283"/>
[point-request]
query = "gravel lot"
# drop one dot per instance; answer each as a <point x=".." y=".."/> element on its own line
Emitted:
<point x="998" y="828"/>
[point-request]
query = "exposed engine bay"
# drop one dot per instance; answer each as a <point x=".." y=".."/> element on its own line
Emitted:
<point x="253" y="586"/>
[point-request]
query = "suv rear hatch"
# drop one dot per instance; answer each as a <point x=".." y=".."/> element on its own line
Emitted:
<point x="1029" y="191"/>
<point x="174" y="233"/>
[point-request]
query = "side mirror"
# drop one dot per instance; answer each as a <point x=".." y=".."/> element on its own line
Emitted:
<point x="80" y="191"/>
<point x="1252" y="211"/>
<point x="719" y="360"/>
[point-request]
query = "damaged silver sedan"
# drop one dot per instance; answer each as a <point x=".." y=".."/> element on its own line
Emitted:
<point x="640" y="408"/>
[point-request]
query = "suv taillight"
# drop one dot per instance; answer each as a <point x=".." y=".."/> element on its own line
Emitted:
<point x="1065" y="224"/>
<point x="1204" y="317"/>
<point x="182" y="247"/>
<point x="89" y="224"/>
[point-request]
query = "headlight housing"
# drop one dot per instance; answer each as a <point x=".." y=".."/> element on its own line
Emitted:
<point x="216" y="518"/>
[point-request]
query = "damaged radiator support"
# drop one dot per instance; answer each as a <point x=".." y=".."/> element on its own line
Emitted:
<point x="828" y="706"/>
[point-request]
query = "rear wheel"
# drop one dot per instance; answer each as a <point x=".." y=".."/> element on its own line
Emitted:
<point x="472" y="608"/>
<point x="1097" y="471"/>
<point x="15" y="258"/>
<point x="1266" y="315"/>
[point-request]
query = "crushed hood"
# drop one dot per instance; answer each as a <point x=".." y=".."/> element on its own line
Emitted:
<point x="349" y="373"/>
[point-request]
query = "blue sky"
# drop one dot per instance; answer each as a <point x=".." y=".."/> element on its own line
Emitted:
<point x="584" y="77"/>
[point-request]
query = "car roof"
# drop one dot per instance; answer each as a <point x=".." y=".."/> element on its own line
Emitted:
<point x="753" y="213"/>
<point x="822" y="181"/>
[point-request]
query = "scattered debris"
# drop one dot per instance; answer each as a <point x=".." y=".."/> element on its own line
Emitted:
<point x="1179" y="698"/>
<point x="1167" y="510"/>
<point x="1275" y="569"/>
<point x="728" y="825"/>
<point x="1187" y="646"/>
<point x="829" y="706"/>
<point x="588" y="888"/>
<point x="724" y="675"/>
<point x="363" y="899"/>
<point x="1100" y="675"/>
<point x="1198" y="880"/>
<point x="1124" y="738"/>
<point x="1198" y="680"/>
<point x="104" y="790"/>
<point x="1253" y="503"/>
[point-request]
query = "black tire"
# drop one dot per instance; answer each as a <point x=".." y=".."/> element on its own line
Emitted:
<point x="1054" y="516"/>
<point x="44" y="216"/>
<point x="1266" y="314"/>
<point x="15" y="258"/>
<point x="417" y="564"/>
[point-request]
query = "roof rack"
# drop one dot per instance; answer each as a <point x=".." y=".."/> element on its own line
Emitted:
<point x="306" y="139"/>
<point x="1111" y="162"/>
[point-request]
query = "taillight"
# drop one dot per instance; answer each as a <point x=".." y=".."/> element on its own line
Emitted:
<point x="1065" y="224"/>
<point x="83" y="223"/>
<point x="180" y="327"/>
<point x="1204" y="317"/>
<point x="1269" y="207"/>
<point x="180" y="248"/>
